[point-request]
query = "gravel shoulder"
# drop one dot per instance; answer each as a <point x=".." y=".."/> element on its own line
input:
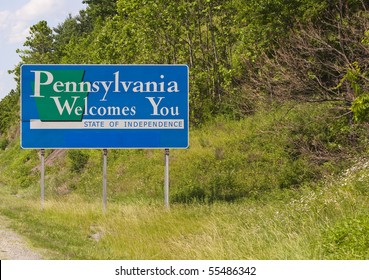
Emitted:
<point x="13" y="246"/>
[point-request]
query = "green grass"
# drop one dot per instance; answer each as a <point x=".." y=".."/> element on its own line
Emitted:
<point x="298" y="224"/>
<point x="227" y="160"/>
<point x="264" y="187"/>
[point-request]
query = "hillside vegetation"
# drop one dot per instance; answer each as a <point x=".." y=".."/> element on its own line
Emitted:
<point x="227" y="200"/>
<point x="276" y="167"/>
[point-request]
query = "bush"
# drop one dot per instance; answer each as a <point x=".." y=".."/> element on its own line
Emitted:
<point x="3" y="143"/>
<point x="9" y="111"/>
<point x="222" y="186"/>
<point x="348" y="239"/>
<point x="78" y="160"/>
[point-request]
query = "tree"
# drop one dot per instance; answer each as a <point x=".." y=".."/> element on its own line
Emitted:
<point x="101" y="10"/>
<point x="200" y="33"/>
<point x="9" y="111"/>
<point x="40" y="45"/>
<point x="40" y="48"/>
<point x="73" y="28"/>
<point x="322" y="59"/>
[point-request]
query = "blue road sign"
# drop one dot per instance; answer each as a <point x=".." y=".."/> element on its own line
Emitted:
<point x="104" y="106"/>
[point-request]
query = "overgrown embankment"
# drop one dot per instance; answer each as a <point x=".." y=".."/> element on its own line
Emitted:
<point x="285" y="146"/>
<point x="263" y="187"/>
<point x="329" y="221"/>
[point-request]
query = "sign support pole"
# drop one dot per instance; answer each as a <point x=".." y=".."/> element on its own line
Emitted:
<point x="166" y="179"/>
<point x="42" y="178"/>
<point x="105" y="154"/>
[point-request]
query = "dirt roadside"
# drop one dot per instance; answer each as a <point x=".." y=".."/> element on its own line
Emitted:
<point x="13" y="246"/>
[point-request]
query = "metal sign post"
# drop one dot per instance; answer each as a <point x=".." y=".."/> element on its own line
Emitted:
<point x="105" y="153"/>
<point x="42" y="178"/>
<point x="136" y="106"/>
<point x="166" y="179"/>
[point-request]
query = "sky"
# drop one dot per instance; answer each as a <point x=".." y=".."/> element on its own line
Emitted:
<point x="16" y="17"/>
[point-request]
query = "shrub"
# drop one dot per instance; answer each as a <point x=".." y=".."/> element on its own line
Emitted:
<point x="3" y="143"/>
<point x="348" y="239"/>
<point x="78" y="160"/>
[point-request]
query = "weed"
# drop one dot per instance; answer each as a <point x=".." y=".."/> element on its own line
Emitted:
<point x="348" y="239"/>
<point x="247" y="189"/>
<point x="78" y="160"/>
<point x="3" y="143"/>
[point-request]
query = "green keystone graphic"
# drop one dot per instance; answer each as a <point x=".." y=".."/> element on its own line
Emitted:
<point x="61" y="95"/>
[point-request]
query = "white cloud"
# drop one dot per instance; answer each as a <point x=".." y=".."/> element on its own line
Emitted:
<point x="19" y="32"/>
<point x="15" y="25"/>
<point x="4" y="17"/>
<point x="35" y="9"/>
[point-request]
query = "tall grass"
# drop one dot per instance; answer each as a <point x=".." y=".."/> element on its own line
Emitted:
<point x="227" y="160"/>
<point x="247" y="189"/>
<point x="299" y="224"/>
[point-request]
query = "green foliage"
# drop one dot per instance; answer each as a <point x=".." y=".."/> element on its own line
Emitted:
<point x="199" y="33"/>
<point x="40" y="45"/>
<point x="272" y="150"/>
<point x="78" y="160"/>
<point x="3" y="143"/>
<point x="18" y="169"/>
<point x="227" y="160"/>
<point x="322" y="137"/>
<point x="357" y="79"/>
<point x="222" y="185"/>
<point x="9" y="111"/>
<point x="39" y="49"/>
<point x="268" y="21"/>
<point x="215" y="38"/>
<point x="71" y="29"/>
<point x="348" y="239"/>
<point x="360" y="108"/>
<point x="323" y="59"/>
<point x="101" y="9"/>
